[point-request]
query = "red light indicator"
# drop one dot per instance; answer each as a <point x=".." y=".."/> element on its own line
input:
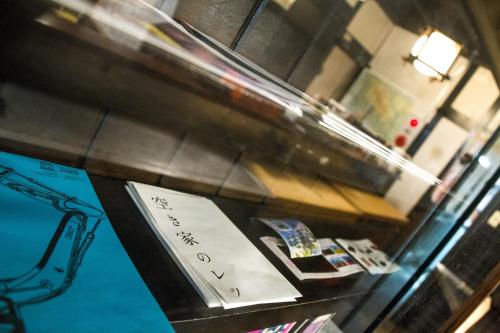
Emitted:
<point x="414" y="122"/>
<point x="400" y="140"/>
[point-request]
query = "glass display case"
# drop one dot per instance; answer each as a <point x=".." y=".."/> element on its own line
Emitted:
<point x="374" y="124"/>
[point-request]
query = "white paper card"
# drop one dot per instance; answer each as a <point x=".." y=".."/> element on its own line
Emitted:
<point x="207" y="293"/>
<point x="349" y="268"/>
<point x="206" y="240"/>
<point x="338" y="258"/>
<point x="368" y="255"/>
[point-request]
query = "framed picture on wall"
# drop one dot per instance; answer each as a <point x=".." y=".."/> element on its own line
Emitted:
<point x="380" y="106"/>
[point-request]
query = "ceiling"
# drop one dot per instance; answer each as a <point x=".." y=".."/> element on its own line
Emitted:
<point x="449" y="16"/>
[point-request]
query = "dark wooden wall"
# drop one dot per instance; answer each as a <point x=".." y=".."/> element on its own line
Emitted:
<point x="220" y="19"/>
<point x="290" y="43"/>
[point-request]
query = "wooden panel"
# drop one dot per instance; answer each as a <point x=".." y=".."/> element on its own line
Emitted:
<point x="485" y="14"/>
<point x="218" y="19"/>
<point x="339" y="16"/>
<point x="279" y="37"/>
<point x="289" y="192"/>
<point x="137" y="84"/>
<point x="332" y="199"/>
<point x="298" y="194"/>
<point x="200" y="165"/>
<point x="241" y="184"/>
<point x="322" y="197"/>
<point x="130" y="149"/>
<point x="268" y="173"/>
<point x="316" y="60"/>
<point x="371" y="205"/>
<point x="311" y="66"/>
<point x="336" y="71"/>
<point x="40" y="125"/>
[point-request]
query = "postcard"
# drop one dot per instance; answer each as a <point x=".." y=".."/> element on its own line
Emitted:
<point x="338" y="257"/>
<point x="308" y="268"/>
<point x="369" y="256"/>
<point x="300" y="240"/>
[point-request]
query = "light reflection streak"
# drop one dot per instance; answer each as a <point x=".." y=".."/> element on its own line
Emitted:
<point x="344" y="129"/>
<point x="293" y="107"/>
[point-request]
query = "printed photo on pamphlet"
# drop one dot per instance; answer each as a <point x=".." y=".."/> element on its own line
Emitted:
<point x="300" y="240"/>
<point x="368" y="255"/>
<point x="310" y="268"/>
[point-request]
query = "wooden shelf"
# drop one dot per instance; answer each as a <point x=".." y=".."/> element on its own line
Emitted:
<point x="169" y="96"/>
<point x="183" y="306"/>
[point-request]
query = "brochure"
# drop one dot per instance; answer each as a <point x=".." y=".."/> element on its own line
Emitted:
<point x="318" y="323"/>
<point x="312" y="267"/>
<point x="63" y="268"/>
<point x="222" y="264"/>
<point x="338" y="257"/>
<point x="300" y="240"/>
<point x="369" y="256"/>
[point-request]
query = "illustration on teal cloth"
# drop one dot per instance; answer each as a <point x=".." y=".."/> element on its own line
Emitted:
<point x="63" y="268"/>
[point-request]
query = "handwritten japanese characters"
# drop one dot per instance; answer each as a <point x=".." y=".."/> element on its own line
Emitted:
<point x="188" y="238"/>
<point x="221" y="263"/>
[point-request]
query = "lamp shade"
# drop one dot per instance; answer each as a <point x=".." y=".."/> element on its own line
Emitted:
<point x="434" y="53"/>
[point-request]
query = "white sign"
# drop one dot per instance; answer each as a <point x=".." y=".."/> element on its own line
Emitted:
<point x="214" y="253"/>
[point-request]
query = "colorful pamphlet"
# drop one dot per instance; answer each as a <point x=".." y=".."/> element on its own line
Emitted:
<point x="63" y="268"/>
<point x="310" y="268"/>
<point x="297" y="236"/>
<point x="338" y="258"/>
<point x="318" y="323"/>
<point x="284" y="328"/>
<point x="368" y="255"/>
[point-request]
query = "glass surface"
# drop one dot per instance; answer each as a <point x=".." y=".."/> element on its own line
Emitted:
<point x="301" y="109"/>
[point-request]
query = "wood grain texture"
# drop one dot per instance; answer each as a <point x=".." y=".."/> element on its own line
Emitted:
<point x="45" y="126"/>
<point x="241" y="184"/>
<point x="316" y="59"/>
<point x="132" y="150"/>
<point x="220" y="19"/>
<point x="199" y="165"/>
<point x="156" y="89"/>
<point x="272" y="42"/>
<point x="298" y="194"/>
<point x="371" y="205"/>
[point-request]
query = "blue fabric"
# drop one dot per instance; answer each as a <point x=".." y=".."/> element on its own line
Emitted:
<point x="107" y="293"/>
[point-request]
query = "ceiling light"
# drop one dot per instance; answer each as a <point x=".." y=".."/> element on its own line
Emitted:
<point x="433" y="54"/>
